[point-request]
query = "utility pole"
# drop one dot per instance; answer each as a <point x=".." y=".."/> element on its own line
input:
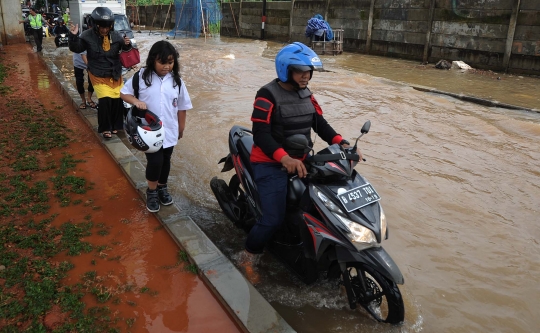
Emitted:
<point x="427" y="44"/>
<point x="370" y="26"/>
<point x="510" y="36"/>
<point x="263" y="18"/>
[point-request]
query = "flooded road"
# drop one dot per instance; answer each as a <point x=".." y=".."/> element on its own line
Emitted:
<point x="459" y="184"/>
<point x="511" y="89"/>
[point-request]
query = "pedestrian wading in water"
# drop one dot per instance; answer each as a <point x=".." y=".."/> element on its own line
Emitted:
<point x="162" y="91"/>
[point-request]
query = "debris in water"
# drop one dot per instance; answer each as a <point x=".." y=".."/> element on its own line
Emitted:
<point x="443" y="64"/>
<point x="460" y="65"/>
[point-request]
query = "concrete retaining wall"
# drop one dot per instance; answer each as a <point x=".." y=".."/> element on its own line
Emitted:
<point x="11" y="32"/>
<point x="488" y="34"/>
<point x="155" y="17"/>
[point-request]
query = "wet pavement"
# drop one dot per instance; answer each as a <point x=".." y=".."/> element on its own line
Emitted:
<point x="459" y="181"/>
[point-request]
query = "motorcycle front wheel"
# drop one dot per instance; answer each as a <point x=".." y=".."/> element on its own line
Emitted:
<point x="380" y="297"/>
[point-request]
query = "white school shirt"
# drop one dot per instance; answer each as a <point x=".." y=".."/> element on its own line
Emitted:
<point x="164" y="100"/>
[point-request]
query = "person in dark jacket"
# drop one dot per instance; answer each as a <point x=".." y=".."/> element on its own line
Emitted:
<point x="58" y="30"/>
<point x="103" y="46"/>
<point x="282" y="108"/>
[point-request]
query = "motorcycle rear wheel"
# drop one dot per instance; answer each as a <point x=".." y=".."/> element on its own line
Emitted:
<point x="382" y="299"/>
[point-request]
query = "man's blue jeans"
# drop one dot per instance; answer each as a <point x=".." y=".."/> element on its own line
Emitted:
<point x="271" y="183"/>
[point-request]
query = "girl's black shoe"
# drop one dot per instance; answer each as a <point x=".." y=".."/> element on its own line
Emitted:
<point x="152" y="200"/>
<point x="164" y="197"/>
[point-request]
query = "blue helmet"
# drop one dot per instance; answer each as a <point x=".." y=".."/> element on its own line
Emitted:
<point x="296" y="56"/>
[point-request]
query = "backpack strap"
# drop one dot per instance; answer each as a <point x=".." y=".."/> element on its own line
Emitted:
<point x="135" y="84"/>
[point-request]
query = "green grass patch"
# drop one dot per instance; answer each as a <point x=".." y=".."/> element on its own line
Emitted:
<point x="65" y="184"/>
<point x="40" y="279"/>
<point x="183" y="256"/>
<point x="32" y="281"/>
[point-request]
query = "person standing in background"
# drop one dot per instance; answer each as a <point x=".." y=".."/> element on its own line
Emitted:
<point x="79" y="65"/>
<point x="103" y="46"/>
<point x="36" y="22"/>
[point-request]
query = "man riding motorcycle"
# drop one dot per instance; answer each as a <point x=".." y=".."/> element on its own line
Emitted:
<point x="59" y="29"/>
<point x="282" y="108"/>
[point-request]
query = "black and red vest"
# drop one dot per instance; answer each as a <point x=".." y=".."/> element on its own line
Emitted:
<point x="293" y="112"/>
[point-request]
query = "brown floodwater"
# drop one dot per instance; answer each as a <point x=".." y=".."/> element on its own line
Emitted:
<point x="459" y="182"/>
<point x="519" y="90"/>
<point x="138" y="262"/>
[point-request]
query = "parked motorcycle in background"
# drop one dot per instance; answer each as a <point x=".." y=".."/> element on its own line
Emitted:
<point x="334" y="222"/>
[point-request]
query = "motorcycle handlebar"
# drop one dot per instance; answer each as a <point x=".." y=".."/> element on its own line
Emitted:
<point x="352" y="150"/>
<point x="307" y="161"/>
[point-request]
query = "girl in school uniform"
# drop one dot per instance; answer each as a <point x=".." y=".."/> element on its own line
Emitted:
<point x="162" y="91"/>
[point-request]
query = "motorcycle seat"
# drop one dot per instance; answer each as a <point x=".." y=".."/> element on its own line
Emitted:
<point x="244" y="145"/>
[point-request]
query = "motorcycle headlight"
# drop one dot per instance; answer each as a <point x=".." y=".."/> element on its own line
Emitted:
<point x="360" y="236"/>
<point x="383" y="225"/>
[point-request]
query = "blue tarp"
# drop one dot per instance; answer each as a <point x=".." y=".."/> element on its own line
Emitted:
<point x="316" y="25"/>
<point x="189" y="15"/>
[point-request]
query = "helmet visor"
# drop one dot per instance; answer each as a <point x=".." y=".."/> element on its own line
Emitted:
<point x="318" y="68"/>
<point x="103" y="23"/>
<point x="300" y="68"/>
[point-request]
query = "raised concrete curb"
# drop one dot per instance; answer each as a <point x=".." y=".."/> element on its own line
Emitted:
<point x="245" y="304"/>
<point x="473" y="99"/>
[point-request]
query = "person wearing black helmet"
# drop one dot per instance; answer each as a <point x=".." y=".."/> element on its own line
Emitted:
<point x="60" y="28"/>
<point x="282" y="108"/>
<point x="103" y="46"/>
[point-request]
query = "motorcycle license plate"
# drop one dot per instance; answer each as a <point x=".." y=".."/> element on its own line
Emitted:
<point x="359" y="197"/>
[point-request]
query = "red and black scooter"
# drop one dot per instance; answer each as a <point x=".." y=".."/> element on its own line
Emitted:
<point x="334" y="223"/>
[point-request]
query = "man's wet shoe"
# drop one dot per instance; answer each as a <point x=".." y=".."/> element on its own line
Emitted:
<point x="152" y="200"/>
<point x="247" y="263"/>
<point x="164" y="197"/>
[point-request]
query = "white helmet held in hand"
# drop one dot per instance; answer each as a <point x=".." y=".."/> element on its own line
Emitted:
<point x="144" y="130"/>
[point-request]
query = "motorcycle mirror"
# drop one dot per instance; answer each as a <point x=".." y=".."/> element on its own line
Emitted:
<point x="366" y="127"/>
<point x="364" y="130"/>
